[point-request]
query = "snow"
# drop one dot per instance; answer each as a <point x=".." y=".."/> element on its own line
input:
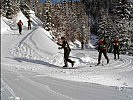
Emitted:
<point x="42" y="43"/>
<point x="36" y="51"/>
<point x="21" y="17"/>
<point x="35" y="20"/>
<point x="4" y="27"/>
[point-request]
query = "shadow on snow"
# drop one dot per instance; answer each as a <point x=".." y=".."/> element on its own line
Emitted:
<point x="33" y="61"/>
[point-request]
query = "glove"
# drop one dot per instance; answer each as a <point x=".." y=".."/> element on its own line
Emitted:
<point x="59" y="48"/>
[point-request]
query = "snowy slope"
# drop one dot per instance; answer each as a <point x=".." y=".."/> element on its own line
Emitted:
<point x="4" y="27"/>
<point x="41" y="42"/>
<point x="34" y="59"/>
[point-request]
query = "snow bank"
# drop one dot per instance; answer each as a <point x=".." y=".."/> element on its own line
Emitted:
<point x="20" y="16"/>
<point x="76" y="44"/>
<point x="4" y="26"/>
<point x="42" y="42"/>
<point x="5" y="89"/>
<point x="91" y="46"/>
<point x="8" y="25"/>
<point x="35" y="20"/>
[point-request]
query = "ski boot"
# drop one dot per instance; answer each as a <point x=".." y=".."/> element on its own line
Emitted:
<point x="73" y="63"/>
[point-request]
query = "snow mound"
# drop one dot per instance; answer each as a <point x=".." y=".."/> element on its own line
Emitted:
<point x="4" y="26"/>
<point x="35" y="20"/>
<point x="75" y="44"/>
<point x="42" y="42"/>
<point x="20" y="16"/>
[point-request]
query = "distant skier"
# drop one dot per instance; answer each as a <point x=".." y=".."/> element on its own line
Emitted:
<point x="64" y="45"/>
<point x="116" y="47"/>
<point x="82" y="45"/>
<point x="29" y="23"/>
<point x="102" y="48"/>
<point x="20" y="24"/>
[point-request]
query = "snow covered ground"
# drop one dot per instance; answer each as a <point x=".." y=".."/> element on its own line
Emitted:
<point x="31" y="67"/>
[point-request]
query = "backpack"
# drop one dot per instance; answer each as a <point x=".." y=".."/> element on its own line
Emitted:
<point x="20" y="23"/>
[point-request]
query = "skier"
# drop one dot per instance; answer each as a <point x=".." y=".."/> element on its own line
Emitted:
<point x="29" y="24"/>
<point x="64" y="45"/>
<point x="116" y="47"/>
<point x="82" y="45"/>
<point x="102" y="48"/>
<point x="20" y="26"/>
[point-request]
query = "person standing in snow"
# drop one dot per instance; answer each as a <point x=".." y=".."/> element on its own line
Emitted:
<point x="29" y="23"/>
<point x="82" y="44"/>
<point x="20" y="24"/>
<point x="116" y="47"/>
<point x="64" y="45"/>
<point x="102" y="48"/>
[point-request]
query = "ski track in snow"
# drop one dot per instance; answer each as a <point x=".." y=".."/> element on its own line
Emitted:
<point x="35" y="84"/>
<point x="23" y="51"/>
<point x="82" y="71"/>
<point x="7" y="93"/>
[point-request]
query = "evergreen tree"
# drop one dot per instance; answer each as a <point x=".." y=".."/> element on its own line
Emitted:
<point x="123" y="18"/>
<point x="47" y="15"/>
<point x="67" y="20"/>
<point x="24" y="6"/>
<point x="9" y="8"/>
<point x="112" y="18"/>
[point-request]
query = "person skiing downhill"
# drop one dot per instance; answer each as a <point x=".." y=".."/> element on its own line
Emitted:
<point x="29" y="23"/>
<point x="102" y="48"/>
<point x="116" y="47"/>
<point x="20" y="24"/>
<point x="64" y="45"/>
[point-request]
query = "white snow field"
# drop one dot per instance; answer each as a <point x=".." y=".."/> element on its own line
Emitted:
<point x="31" y="68"/>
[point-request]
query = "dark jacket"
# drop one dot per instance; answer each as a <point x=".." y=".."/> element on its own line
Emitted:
<point x="64" y="45"/>
<point x="29" y="21"/>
